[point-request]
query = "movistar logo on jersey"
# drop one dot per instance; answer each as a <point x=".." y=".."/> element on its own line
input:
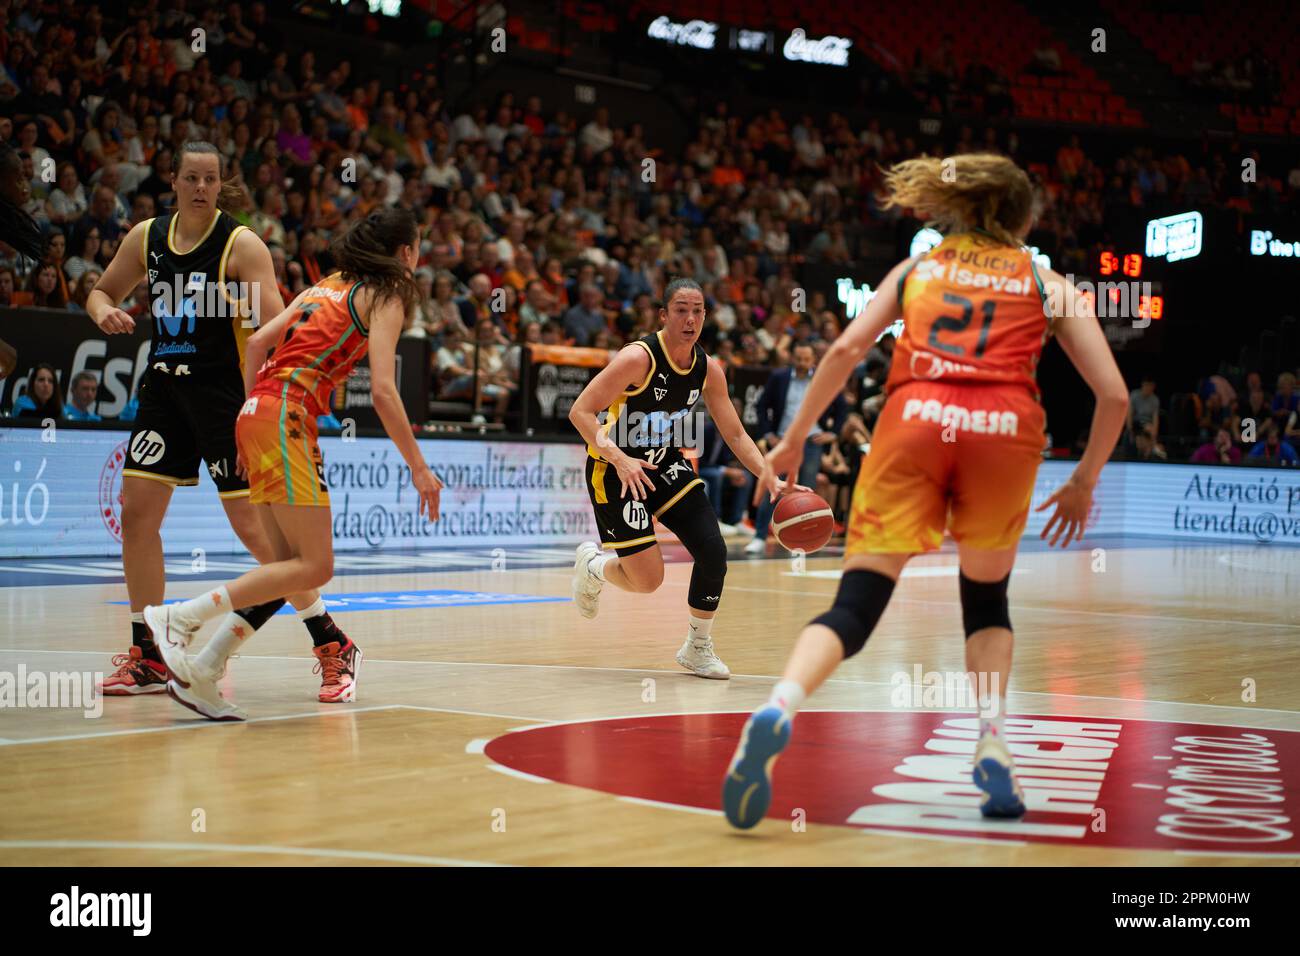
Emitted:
<point x="656" y="429"/>
<point x="177" y="305"/>
<point x="174" y="317"/>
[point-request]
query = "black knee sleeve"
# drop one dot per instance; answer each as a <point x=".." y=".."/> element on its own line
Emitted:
<point x="861" y="599"/>
<point x="696" y="525"/>
<point x="984" y="604"/>
<point x="708" y="574"/>
<point x="259" y="614"/>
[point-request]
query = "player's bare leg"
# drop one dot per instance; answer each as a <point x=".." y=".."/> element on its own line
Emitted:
<point x="144" y="505"/>
<point x="747" y="787"/>
<point x="257" y="529"/>
<point x="643" y="573"/>
<point x="307" y="535"/>
<point x="640" y="573"/>
<point x="988" y="659"/>
<point x="263" y="539"/>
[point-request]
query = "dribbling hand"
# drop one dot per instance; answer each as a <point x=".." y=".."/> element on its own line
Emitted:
<point x="115" y="321"/>
<point x="1073" y="501"/>
<point x="429" y="487"/>
<point x="784" y="459"/>
<point x="632" y="477"/>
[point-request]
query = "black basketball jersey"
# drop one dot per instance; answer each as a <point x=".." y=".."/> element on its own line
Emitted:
<point x="656" y="413"/>
<point x="199" y="324"/>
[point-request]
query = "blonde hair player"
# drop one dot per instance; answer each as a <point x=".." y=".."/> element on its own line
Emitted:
<point x="318" y="340"/>
<point x="976" y="313"/>
<point x="190" y="395"/>
<point x="637" y="474"/>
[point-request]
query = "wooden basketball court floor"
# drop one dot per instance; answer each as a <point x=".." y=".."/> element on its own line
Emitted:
<point x="518" y="733"/>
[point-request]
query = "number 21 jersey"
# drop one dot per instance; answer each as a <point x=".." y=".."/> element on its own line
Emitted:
<point x="973" y="313"/>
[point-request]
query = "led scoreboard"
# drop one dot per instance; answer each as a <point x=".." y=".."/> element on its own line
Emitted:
<point x="1109" y="263"/>
<point x="1113" y="267"/>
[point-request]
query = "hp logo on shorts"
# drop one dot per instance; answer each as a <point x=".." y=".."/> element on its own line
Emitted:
<point x="636" y="516"/>
<point x="147" y="448"/>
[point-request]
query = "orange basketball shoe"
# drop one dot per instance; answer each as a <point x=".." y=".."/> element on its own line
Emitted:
<point x="135" y="674"/>
<point x="338" y="663"/>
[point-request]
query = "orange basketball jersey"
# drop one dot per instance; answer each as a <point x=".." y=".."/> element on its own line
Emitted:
<point x="973" y="313"/>
<point x="320" y="347"/>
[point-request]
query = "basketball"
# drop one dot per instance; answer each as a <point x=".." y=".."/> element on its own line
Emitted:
<point x="803" y="521"/>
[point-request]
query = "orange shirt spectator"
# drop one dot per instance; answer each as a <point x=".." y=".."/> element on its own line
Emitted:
<point x="723" y="176"/>
<point x="731" y="288"/>
<point x="1069" y="159"/>
<point x="149" y="51"/>
<point x="358" y="111"/>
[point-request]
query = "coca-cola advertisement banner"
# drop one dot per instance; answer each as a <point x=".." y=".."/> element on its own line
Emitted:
<point x="795" y="45"/>
<point x="701" y="34"/>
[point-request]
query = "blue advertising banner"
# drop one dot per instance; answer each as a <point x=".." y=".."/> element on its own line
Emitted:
<point x="62" y="496"/>
<point x="408" y="600"/>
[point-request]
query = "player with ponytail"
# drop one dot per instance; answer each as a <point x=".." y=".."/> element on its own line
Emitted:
<point x="956" y="448"/>
<point x="317" y="340"/>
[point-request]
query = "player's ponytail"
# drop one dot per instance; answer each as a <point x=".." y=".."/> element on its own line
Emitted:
<point x="367" y="252"/>
<point x="232" y="197"/>
<point x="962" y="193"/>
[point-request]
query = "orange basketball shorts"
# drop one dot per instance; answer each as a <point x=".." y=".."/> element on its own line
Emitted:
<point x="962" y="457"/>
<point x="277" y="440"/>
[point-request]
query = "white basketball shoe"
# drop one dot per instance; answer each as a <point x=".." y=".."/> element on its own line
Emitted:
<point x="586" y="586"/>
<point x="697" y="657"/>
<point x="171" y="635"/>
<point x="994" y="774"/>
<point x="203" y="696"/>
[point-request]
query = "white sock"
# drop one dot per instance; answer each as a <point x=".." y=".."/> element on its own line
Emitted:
<point x="597" y="566"/>
<point x="700" y="627"/>
<point x="991" y="714"/>
<point x="788" y="695"/>
<point x="204" y="607"/>
<point x="230" y="635"/>
<point x="137" y="617"/>
<point x="316" y="610"/>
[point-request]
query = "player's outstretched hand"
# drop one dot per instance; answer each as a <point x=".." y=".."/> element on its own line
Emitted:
<point x="1073" y="501"/>
<point x="632" y="476"/>
<point x="116" y="321"/>
<point x="241" y="467"/>
<point x="784" y="459"/>
<point x="429" y="487"/>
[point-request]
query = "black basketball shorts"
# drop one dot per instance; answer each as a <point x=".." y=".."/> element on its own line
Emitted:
<point x="183" y="419"/>
<point x="626" y="525"/>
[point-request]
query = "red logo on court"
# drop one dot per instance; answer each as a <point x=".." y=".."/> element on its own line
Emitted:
<point x="1101" y="782"/>
<point x="110" y="490"/>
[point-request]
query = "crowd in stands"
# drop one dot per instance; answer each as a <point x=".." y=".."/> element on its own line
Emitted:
<point x="1243" y="422"/>
<point x="1223" y="422"/>
<point x="541" y="227"/>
